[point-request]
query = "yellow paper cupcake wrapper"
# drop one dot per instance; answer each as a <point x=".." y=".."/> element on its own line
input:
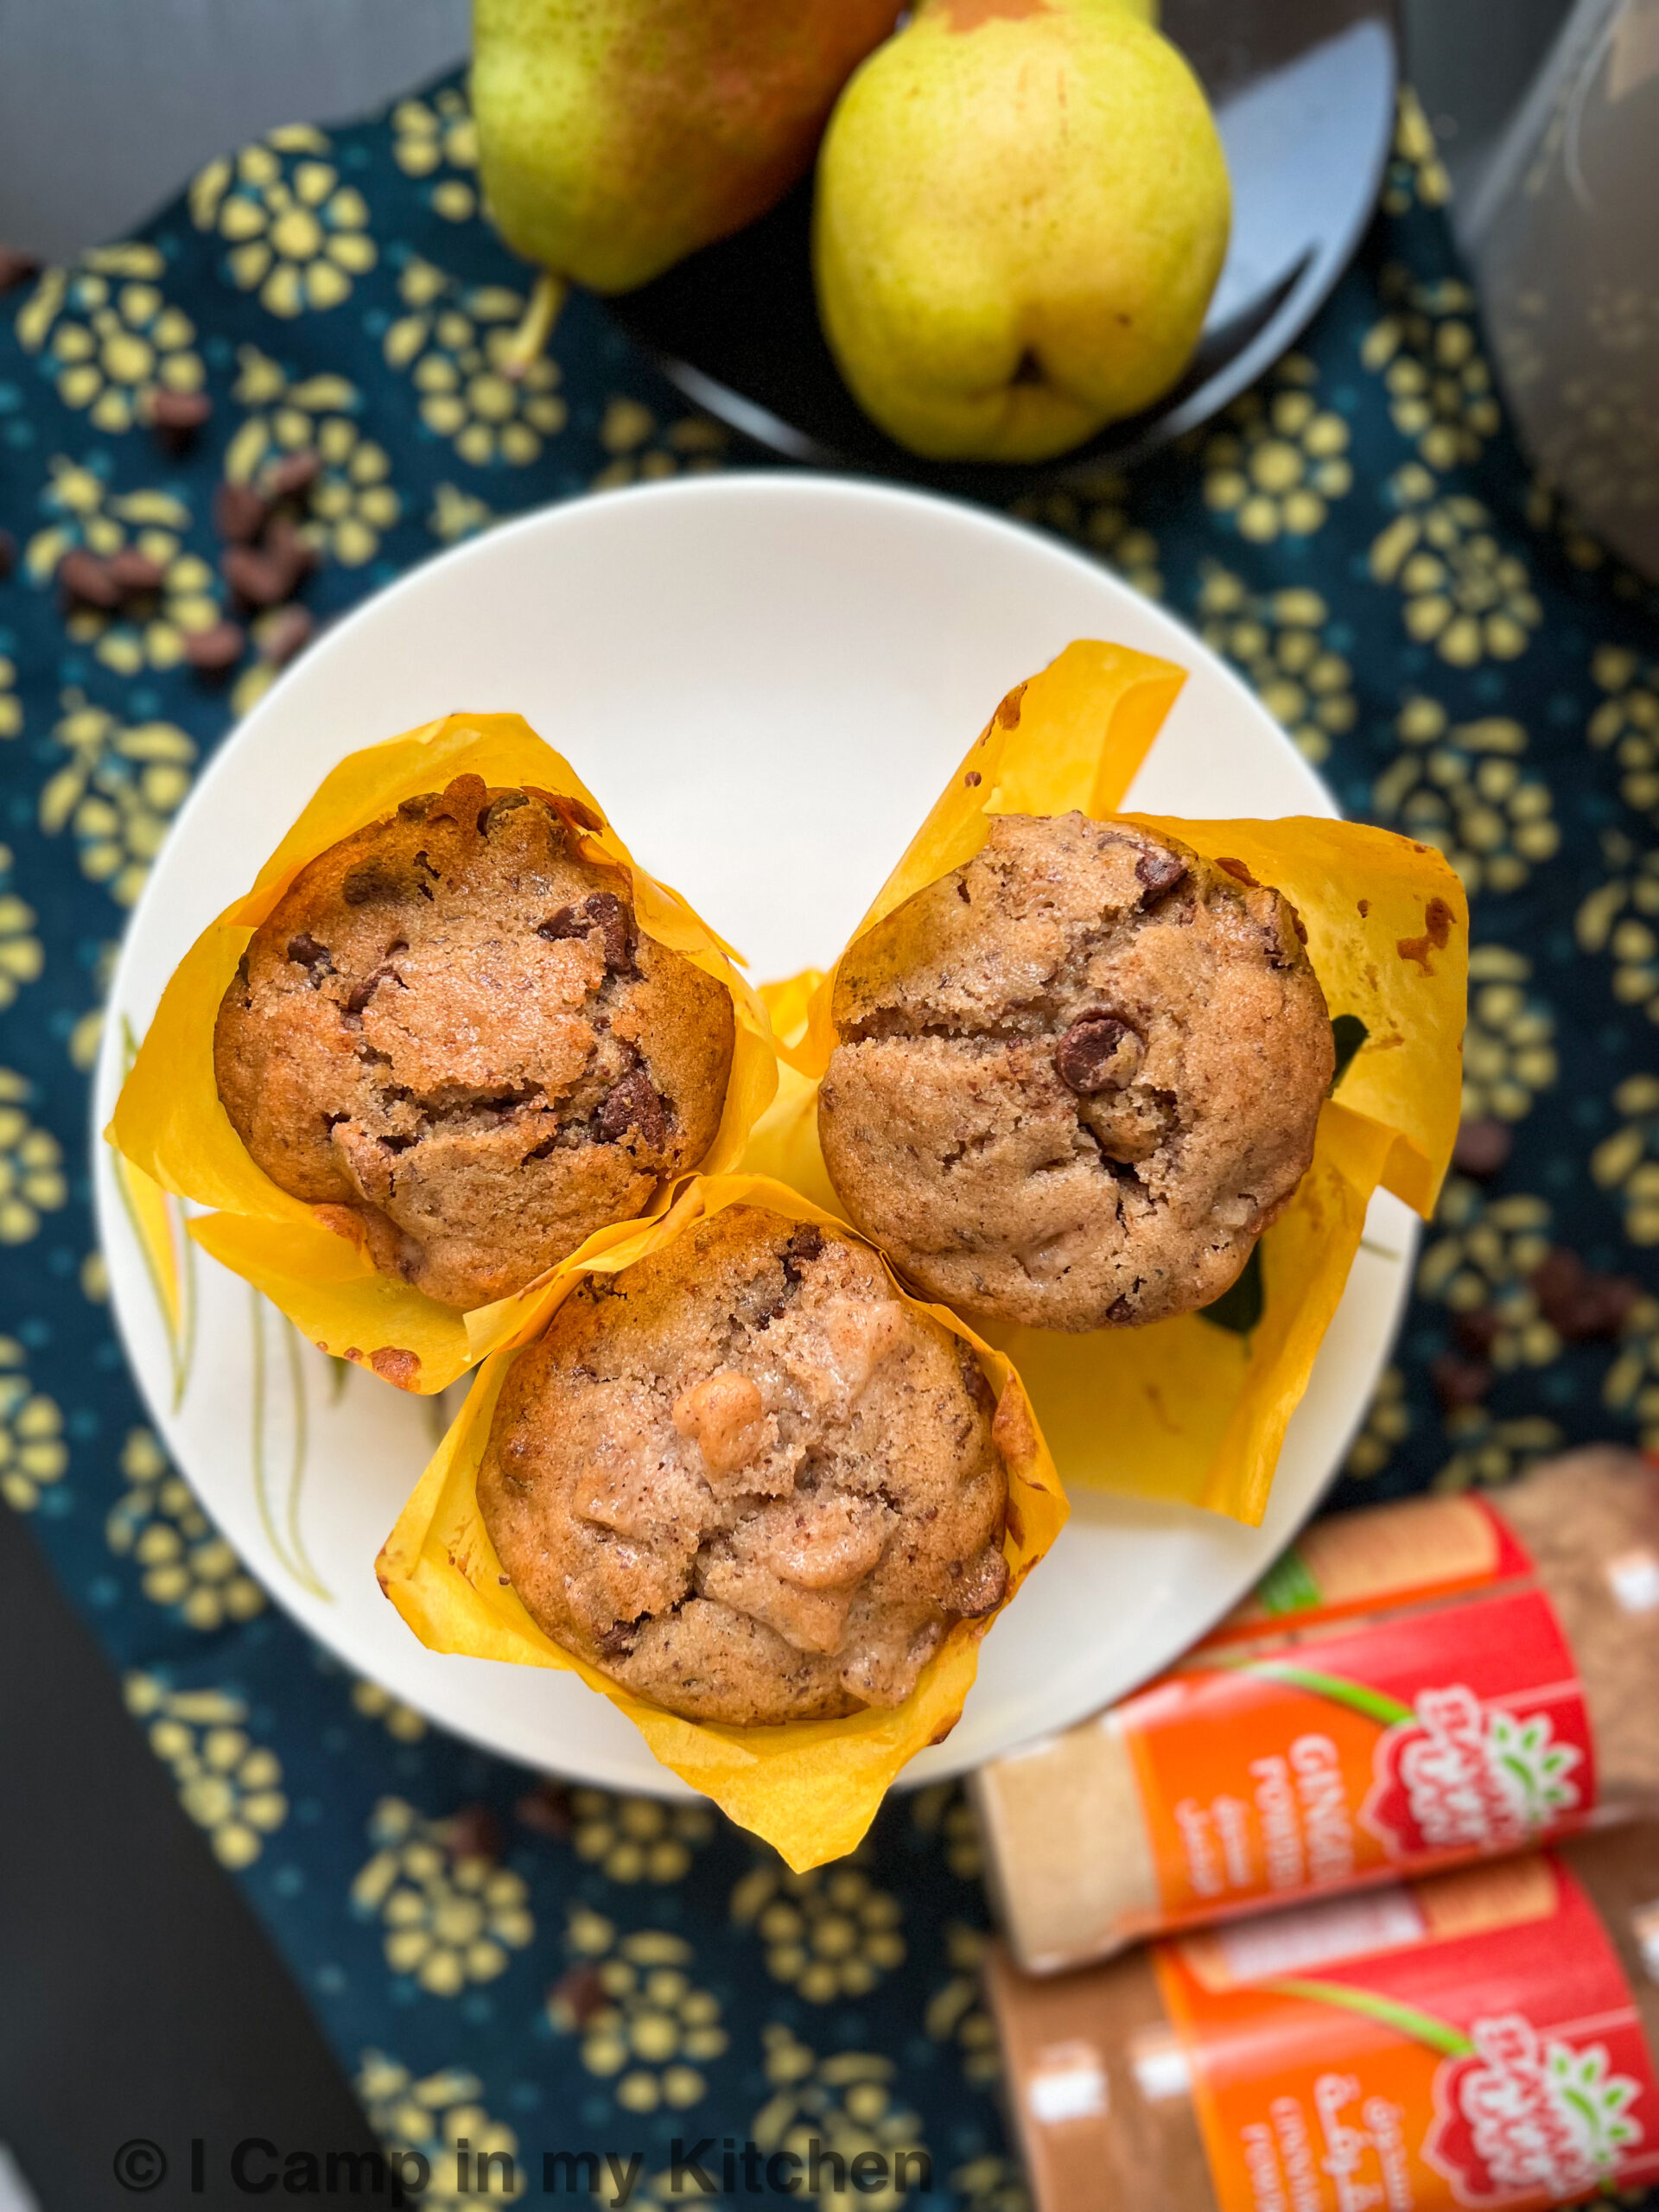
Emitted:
<point x="809" y="1787"/>
<point x="1196" y="1408"/>
<point x="169" y="1127"/>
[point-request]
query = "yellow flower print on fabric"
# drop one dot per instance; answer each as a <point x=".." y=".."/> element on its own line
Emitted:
<point x="1387" y="1425"/>
<point x="1509" y="1047"/>
<point x="1482" y="1260"/>
<point x="1627" y="1161"/>
<point x="456" y="514"/>
<point x="228" y="1784"/>
<point x="11" y="709"/>
<point x="1280" y="460"/>
<point x="149" y="630"/>
<point x="455" y="341"/>
<point x="1492" y="1451"/>
<point x="1626" y="724"/>
<point x="637" y="1839"/>
<point x="990" y="2184"/>
<point x="1463" y="594"/>
<point x="22" y="956"/>
<point x="450" y="1919"/>
<point x="1425" y="350"/>
<point x="33" y="1454"/>
<point x="401" y="1722"/>
<point x="31" y="1164"/>
<point x="830" y="1932"/>
<point x="184" y="1562"/>
<point x="1463" y="788"/>
<point x="437" y="138"/>
<point x="297" y="236"/>
<point x="644" y="451"/>
<point x="1095" y="514"/>
<point x="440" y="2118"/>
<point x="955" y="2013"/>
<point x="942" y="1811"/>
<point x="111" y="337"/>
<point x="352" y="502"/>
<point x="1621" y="918"/>
<point x="116" y="794"/>
<point x="1632" y="1385"/>
<point x="1417" y="172"/>
<point x="1278" y="639"/>
<point x="848" y="2106"/>
<point x="645" y="2027"/>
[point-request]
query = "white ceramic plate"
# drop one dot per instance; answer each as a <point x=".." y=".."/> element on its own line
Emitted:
<point x="767" y="679"/>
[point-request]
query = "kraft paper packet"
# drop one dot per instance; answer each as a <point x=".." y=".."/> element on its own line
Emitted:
<point x="1196" y="1408"/>
<point x="810" y="1789"/>
<point x="170" y="1126"/>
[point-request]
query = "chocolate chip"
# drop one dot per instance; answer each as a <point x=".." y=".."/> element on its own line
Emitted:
<point x="375" y="878"/>
<point x="175" y="417"/>
<point x="1091" y="1056"/>
<point x="803" y="1248"/>
<point x="1157" y="871"/>
<point x="617" y="1641"/>
<point x="133" y="572"/>
<point x="1459" y="1381"/>
<point x="257" y="579"/>
<point x="632" y="1104"/>
<point x="293" y="477"/>
<point x="85" y="580"/>
<point x="473" y="1833"/>
<point x="289" y="632"/>
<point x="417" y="809"/>
<point x="212" y="652"/>
<point x="1580" y="1304"/>
<point x="8" y="554"/>
<point x="238" y="513"/>
<point x="605" y="913"/>
<point x="1482" y="1147"/>
<point x="984" y="1585"/>
<point x="306" y="952"/>
<point x="1120" y="1310"/>
<point x="360" y="994"/>
<point x="498" y="809"/>
<point x="17" y="267"/>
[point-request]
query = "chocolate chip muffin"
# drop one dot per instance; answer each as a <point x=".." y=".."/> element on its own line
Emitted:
<point x="746" y="1479"/>
<point x="451" y="1028"/>
<point x="1076" y="1079"/>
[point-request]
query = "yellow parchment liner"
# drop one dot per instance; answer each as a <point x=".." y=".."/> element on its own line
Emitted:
<point x="1188" y="1408"/>
<point x="810" y="1787"/>
<point x="170" y="1126"/>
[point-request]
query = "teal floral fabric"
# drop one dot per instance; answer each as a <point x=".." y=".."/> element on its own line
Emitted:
<point x="503" y="1959"/>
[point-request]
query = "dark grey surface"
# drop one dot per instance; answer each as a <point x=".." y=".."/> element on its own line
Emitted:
<point x="138" y="1997"/>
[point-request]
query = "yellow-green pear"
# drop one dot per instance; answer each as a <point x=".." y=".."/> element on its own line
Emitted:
<point x="1022" y="209"/>
<point x="614" y="137"/>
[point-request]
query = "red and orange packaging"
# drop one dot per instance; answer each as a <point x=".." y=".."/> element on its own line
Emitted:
<point x="1413" y="1686"/>
<point x="1484" y="2038"/>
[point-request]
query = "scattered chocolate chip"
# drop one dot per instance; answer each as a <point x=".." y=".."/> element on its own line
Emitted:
<point x="306" y="952"/>
<point x="175" y="417"/>
<point x="803" y="1248"/>
<point x="1476" y="1332"/>
<point x="473" y="1833"/>
<point x="85" y="580"/>
<point x="617" y="1641"/>
<point x="211" y="653"/>
<point x="288" y="632"/>
<point x="546" y="1809"/>
<point x="984" y="1585"/>
<point x="8" y="554"/>
<point x="1580" y="1304"/>
<point x="359" y="997"/>
<point x="17" y="267"/>
<point x="1459" y="1381"/>
<point x="293" y="477"/>
<point x="417" y="809"/>
<point x="374" y="878"/>
<point x="238" y="513"/>
<point x="1120" y="1310"/>
<point x="607" y="913"/>
<point x="1158" y="870"/>
<point x="132" y="572"/>
<point x="498" y="809"/>
<point x="1482" y="1147"/>
<point x="1090" y="1056"/>
<point x="254" y="576"/>
<point x="578" y="1995"/>
<point x="1239" y="870"/>
<point x="632" y="1104"/>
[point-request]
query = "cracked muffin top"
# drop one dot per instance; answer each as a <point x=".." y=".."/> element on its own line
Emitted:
<point x="746" y="1479"/>
<point x="1077" y="1078"/>
<point x="451" y="1028"/>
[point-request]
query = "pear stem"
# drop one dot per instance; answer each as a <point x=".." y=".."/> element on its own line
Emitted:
<point x="530" y="340"/>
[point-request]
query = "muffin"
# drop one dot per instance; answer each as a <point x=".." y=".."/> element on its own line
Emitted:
<point x="1076" y="1079"/>
<point x="451" y="1035"/>
<point x="747" y="1480"/>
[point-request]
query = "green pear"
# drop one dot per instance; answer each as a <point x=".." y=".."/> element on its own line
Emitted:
<point x="614" y="137"/>
<point x="1022" y="210"/>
